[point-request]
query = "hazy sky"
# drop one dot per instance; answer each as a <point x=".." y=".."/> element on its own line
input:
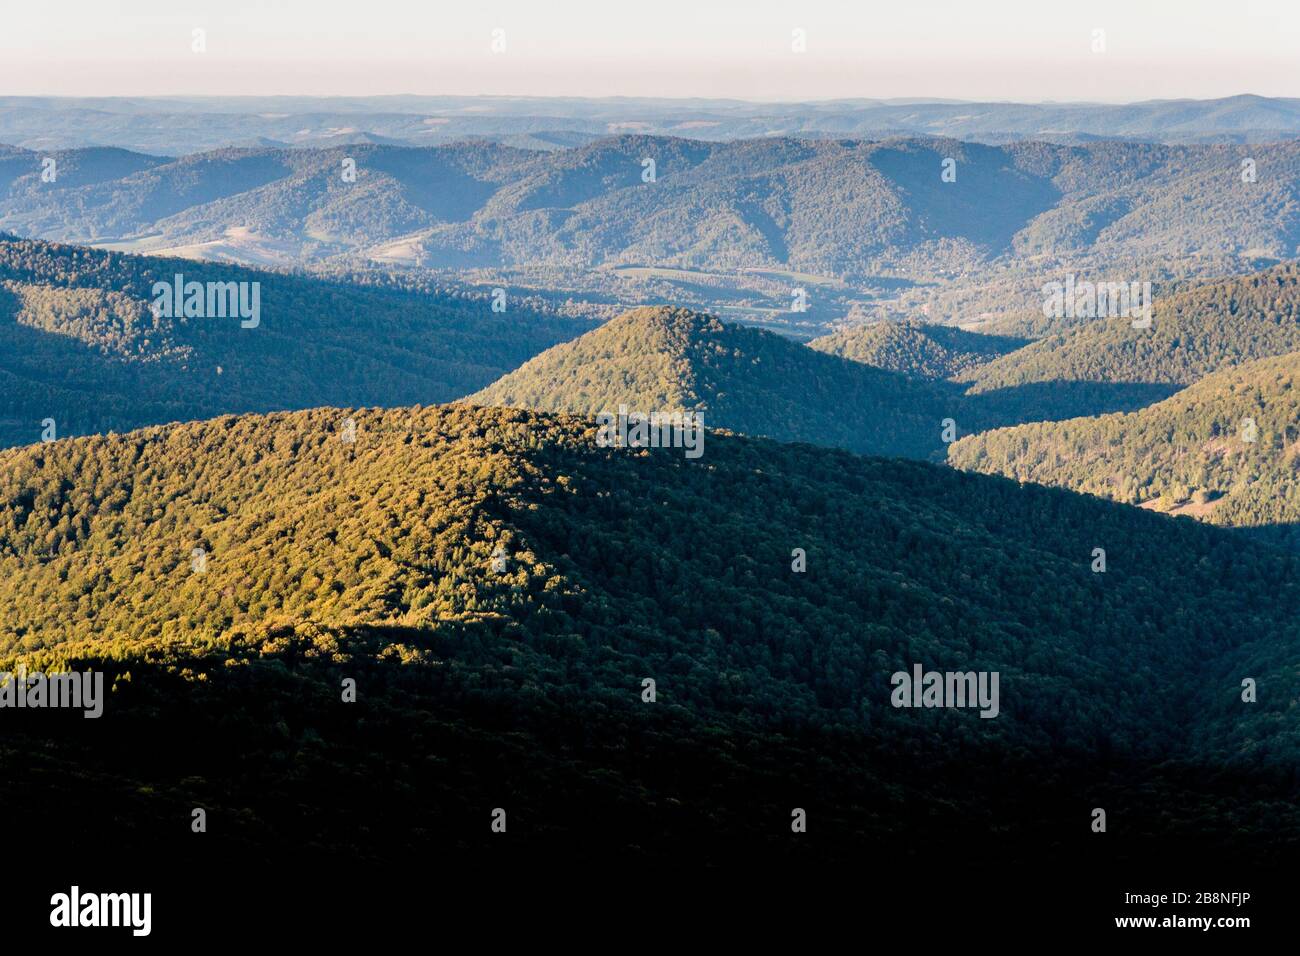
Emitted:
<point x="970" y="49"/>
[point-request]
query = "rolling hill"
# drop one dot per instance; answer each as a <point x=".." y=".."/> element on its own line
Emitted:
<point x="1105" y="365"/>
<point x="918" y="349"/>
<point x="498" y="589"/>
<point x="1226" y="450"/>
<point x="742" y="379"/>
<point x="79" y="343"/>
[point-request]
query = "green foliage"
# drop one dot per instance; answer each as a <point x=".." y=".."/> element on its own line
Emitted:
<point x="1193" y="333"/>
<point x="1190" y="454"/>
<point x="916" y="348"/>
<point x="839" y="207"/>
<point x="373" y="560"/>
<point x="741" y="379"/>
<point x="79" y="344"/>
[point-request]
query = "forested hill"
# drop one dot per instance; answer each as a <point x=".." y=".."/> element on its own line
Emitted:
<point x="1107" y="365"/>
<point x="743" y="379"/>
<point x="1226" y="450"/>
<point x="916" y="348"/>
<point x="500" y="588"/>
<point x="80" y="344"/>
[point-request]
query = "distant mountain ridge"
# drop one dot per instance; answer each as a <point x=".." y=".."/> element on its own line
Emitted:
<point x="841" y="208"/>
<point x="178" y="125"/>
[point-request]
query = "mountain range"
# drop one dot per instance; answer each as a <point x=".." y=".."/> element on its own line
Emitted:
<point x="178" y="125"/>
<point x="86" y="353"/>
<point x="853" y="210"/>
<point x="312" y="611"/>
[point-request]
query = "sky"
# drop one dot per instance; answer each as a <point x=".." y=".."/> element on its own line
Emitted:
<point x="1021" y="50"/>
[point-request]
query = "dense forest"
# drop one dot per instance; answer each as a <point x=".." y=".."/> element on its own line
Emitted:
<point x="500" y="588"/>
<point x="903" y="380"/>
<point x="741" y="379"/>
<point x="841" y="207"/>
<point x="1226" y="449"/>
<point x="1106" y="365"/>
<point x="80" y="344"/>
<point x="919" y="349"/>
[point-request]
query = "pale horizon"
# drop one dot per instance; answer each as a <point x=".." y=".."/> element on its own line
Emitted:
<point x="751" y="101"/>
<point x="1022" y="52"/>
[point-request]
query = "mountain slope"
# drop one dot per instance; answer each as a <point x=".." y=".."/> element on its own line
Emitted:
<point x="916" y="348"/>
<point x="499" y="588"/>
<point x="746" y="380"/>
<point x="79" y="343"/>
<point x="1107" y="365"/>
<point x="1226" y="449"/>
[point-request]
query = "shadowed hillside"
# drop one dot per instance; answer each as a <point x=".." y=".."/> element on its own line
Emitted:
<point x="1106" y="365"/>
<point x="1226" y="450"/>
<point x="80" y="344"/>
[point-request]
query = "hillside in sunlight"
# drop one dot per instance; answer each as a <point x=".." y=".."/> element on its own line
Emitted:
<point x="499" y="589"/>
<point x="742" y="379"/>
